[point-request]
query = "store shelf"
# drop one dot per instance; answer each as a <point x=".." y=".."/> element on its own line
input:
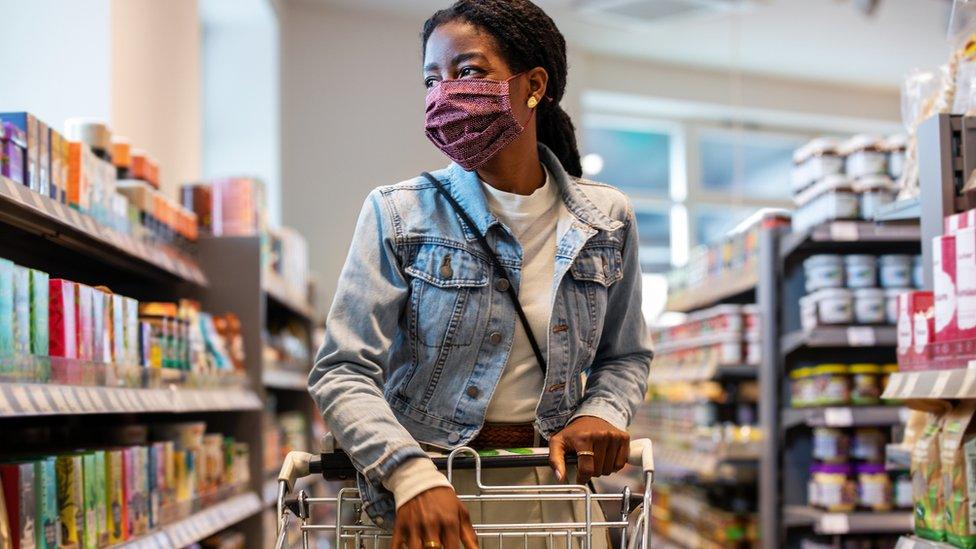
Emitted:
<point x="851" y="233"/>
<point x="945" y="384"/>
<point x="913" y="542"/>
<point x="277" y="290"/>
<point x="843" y="416"/>
<point x="909" y="209"/>
<point x="30" y="399"/>
<point x="866" y="522"/>
<point x="706" y="372"/>
<point x="201" y="525"/>
<point x="32" y="212"/>
<point x="285" y="380"/>
<point x="719" y="466"/>
<point x="714" y="290"/>
<point x="840" y="336"/>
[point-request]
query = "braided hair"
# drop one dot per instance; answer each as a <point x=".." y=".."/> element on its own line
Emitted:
<point x="527" y="38"/>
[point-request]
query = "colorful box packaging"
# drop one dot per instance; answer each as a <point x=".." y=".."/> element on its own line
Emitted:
<point x="99" y="331"/>
<point x="92" y="487"/>
<point x="62" y="315"/>
<point x="156" y="481"/>
<point x="39" y="288"/>
<point x="6" y="310"/>
<point x="47" y="517"/>
<point x="956" y="222"/>
<point x="43" y="159"/>
<point x="79" y="176"/>
<point x="944" y="285"/>
<point x="118" y="329"/>
<point x="22" y="308"/>
<point x="18" y="496"/>
<point x="966" y="283"/>
<point x="71" y="498"/>
<point x="84" y="296"/>
<point x="915" y="329"/>
<point x="13" y="151"/>
<point x="115" y="503"/>
<point x="54" y="150"/>
<point x="101" y="497"/>
<point x="65" y="168"/>
<point x="137" y="474"/>
<point x="131" y="330"/>
<point x="27" y="123"/>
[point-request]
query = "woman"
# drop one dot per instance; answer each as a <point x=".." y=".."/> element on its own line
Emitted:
<point x="427" y="341"/>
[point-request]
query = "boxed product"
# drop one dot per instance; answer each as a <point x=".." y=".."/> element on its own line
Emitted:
<point x="99" y="323"/>
<point x="92" y="487"/>
<point x="959" y="474"/>
<point x="18" y="496"/>
<point x="84" y="324"/>
<point x="136" y="464"/>
<point x="117" y="520"/>
<point x="39" y="285"/>
<point x="966" y="283"/>
<point x="6" y="308"/>
<point x="62" y="314"/>
<point x="22" y="307"/>
<point x="926" y="471"/>
<point x="79" y="176"/>
<point x="54" y="151"/>
<point x="118" y="329"/>
<point x="13" y="149"/>
<point x="71" y="498"/>
<point x="101" y="498"/>
<point x="156" y="481"/>
<point x="43" y="159"/>
<point x="956" y="222"/>
<point x="27" y="123"/>
<point x="916" y="329"/>
<point x="47" y="518"/>
<point x="944" y="286"/>
<point x="131" y="329"/>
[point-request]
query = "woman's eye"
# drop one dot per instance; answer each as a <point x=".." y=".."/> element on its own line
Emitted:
<point x="468" y="71"/>
<point x="430" y="82"/>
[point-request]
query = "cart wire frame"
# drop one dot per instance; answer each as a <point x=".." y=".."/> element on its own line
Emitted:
<point x="633" y="525"/>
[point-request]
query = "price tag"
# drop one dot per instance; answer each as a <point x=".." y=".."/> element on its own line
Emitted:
<point x="860" y="336"/>
<point x="966" y="387"/>
<point x="939" y="388"/>
<point x="911" y="381"/>
<point x="834" y="523"/>
<point x="844" y="231"/>
<point x="838" y="417"/>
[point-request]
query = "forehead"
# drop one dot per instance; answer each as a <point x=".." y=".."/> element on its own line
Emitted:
<point x="456" y="37"/>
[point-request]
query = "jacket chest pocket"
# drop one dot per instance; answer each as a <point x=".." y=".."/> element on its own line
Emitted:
<point x="446" y="292"/>
<point x="594" y="271"/>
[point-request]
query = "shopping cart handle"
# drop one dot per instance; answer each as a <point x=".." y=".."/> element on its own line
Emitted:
<point x="642" y="454"/>
<point x="298" y="465"/>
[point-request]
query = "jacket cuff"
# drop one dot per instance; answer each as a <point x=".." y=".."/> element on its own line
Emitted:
<point x="412" y="478"/>
<point x="602" y="410"/>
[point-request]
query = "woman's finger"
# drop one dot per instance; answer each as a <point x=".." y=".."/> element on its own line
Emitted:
<point x="622" y="453"/>
<point x="451" y="534"/>
<point x="610" y="456"/>
<point x="468" y="536"/>
<point x="584" y="462"/>
<point x="399" y="537"/>
<point x="557" y="457"/>
<point x="599" y="454"/>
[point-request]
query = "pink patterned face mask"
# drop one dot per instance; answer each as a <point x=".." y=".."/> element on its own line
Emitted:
<point x="471" y="120"/>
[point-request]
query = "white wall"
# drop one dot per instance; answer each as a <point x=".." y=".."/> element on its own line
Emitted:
<point x="352" y="112"/>
<point x="55" y="59"/>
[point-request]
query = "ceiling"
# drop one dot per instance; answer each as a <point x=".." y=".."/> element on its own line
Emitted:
<point x="823" y="40"/>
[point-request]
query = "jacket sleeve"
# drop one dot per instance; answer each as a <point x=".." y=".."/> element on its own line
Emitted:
<point x="347" y="379"/>
<point x="617" y="380"/>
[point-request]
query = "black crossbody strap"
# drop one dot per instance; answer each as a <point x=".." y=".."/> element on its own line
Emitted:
<point x="499" y="268"/>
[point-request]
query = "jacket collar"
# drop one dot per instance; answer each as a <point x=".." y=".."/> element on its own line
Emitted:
<point x="465" y="187"/>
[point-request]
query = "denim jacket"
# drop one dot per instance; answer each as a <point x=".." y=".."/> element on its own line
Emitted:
<point x="420" y="328"/>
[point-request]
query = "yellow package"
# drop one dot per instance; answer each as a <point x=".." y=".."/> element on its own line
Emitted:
<point x="927" y="490"/>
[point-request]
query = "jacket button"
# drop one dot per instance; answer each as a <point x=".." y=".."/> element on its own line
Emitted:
<point x="502" y="284"/>
<point x="453" y="438"/>
<point x="473" y="391"/>
<point x="379" y="521"/>
<point x="495" y="338"/>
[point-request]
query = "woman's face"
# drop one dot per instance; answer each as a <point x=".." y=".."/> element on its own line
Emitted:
<point x="460" y="50"/>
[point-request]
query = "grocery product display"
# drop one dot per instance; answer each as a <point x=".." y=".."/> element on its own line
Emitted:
<point x="117" y="321"/>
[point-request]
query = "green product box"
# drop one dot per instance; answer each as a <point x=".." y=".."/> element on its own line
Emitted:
<point x="101" y="497"/>
<point x="22" y="321"/>
<point x="38" y="313"/>
<point x="71" y="498"/>
<point x="91" y="490"/>
<point x="46" y="518"/>
<point x="6" y="309"/>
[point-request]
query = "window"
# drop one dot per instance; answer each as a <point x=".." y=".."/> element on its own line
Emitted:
<point x="654" y="230"/>
<point x="713" y="223"/>
<point x="745" y="163"/>
<point x="635" y="161"/>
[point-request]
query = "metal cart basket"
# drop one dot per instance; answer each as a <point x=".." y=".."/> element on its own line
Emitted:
<point x="630" y="523"/>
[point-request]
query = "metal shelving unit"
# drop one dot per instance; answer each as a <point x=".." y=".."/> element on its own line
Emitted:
<point x="823" y="522"/>
<point x="843" y="416"/>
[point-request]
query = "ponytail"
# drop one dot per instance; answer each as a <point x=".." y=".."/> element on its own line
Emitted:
<point x="554" y="129"/>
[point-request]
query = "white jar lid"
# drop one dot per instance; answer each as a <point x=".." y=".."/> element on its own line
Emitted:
<point x="873" y="182"/>
<point x="823" y="259"/>
<point x="869" y="293"/>
<point x="817" y="147"/>
<point x="895" y="292"/>
<point x="94" y="133"/>
<point x="860" y="258"/>
<point x="861" y="142"/>
<point x="895" y="258"/>
<point x="831" y="293"/>
<point x="834" y="182"/>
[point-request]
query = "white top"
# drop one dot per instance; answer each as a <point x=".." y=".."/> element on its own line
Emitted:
<point x="533" y="220"/>
<point x="537" y="221"/>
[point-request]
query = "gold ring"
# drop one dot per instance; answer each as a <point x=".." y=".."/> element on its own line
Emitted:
<point x="433" y="545"/>
<point x="584" y="452"/>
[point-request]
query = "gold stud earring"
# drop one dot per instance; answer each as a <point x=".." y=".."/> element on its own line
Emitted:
<point x="533" y="102"/>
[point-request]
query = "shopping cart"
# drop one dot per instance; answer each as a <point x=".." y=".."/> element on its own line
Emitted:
<point x="630" y="522"/>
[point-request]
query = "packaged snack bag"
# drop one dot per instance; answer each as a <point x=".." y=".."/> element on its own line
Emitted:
<point x="927" y="486"/>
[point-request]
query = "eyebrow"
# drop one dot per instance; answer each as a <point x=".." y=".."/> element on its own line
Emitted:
<point x="458" y="59"/>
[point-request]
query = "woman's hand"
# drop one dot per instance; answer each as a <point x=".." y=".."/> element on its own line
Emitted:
<point x="435" y="516"/>
<point x="601" y="448"/>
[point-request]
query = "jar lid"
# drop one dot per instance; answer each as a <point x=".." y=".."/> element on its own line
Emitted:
<point x="895" y="292"/>
<point x="895" y="258"/>
<point x="831" y="293"/>
<point x="897" y="142"/>
<point x="860" y="258"/>
<point x="865" y="368"/>
<point x="832" y="468"/>
<point x="817" y="147"/>
<point x="800" y="373"/>
<point x="830" y="369"/>
<point x="94" y="133"/>
<point x="834" y="182"/>
<point x="890" y="368"/>
<point x="871" y="468"/>
<point x="873" y="182"/>
<point x="862" y="142"/>
<point x="869" y="293"/>
<point x="819" y="259"/>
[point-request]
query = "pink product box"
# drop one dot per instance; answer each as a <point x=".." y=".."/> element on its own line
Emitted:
<point x="944" y="276"/>
<point x="84" y="299"/>
<point x="956" y="222"/>
<point x="916" y="329"/>
<point x="965" y="269"/>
